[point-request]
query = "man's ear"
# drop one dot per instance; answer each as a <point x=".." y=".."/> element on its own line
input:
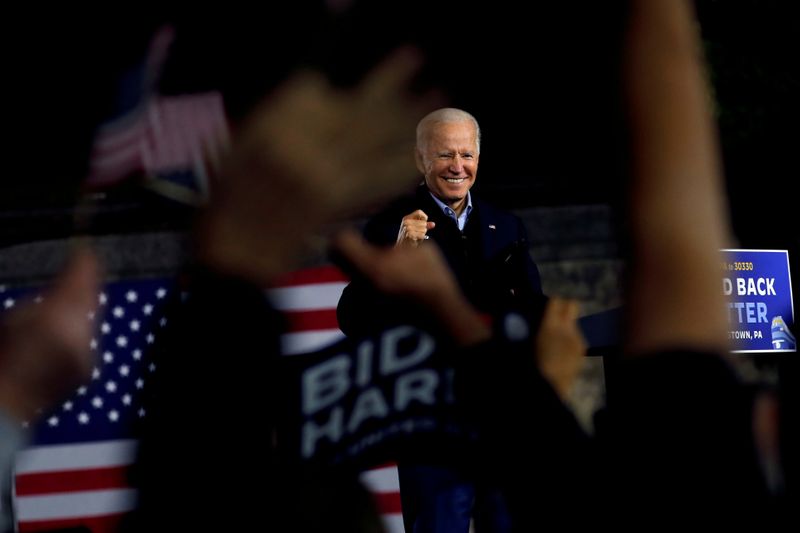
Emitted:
<point x="419" y="160"/>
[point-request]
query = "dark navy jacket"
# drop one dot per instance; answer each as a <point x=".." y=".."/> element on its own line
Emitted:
<point x="490" y="260"/>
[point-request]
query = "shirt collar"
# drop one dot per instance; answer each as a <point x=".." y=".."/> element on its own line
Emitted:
<point x="461" y="220"/>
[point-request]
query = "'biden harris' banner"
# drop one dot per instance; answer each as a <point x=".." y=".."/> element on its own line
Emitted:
<point x="757" y="284"/>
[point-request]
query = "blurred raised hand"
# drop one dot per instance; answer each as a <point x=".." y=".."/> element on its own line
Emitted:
<point x="44" y="347"/>
<point x="560" y="345"/>
<point x="308" y="155"/>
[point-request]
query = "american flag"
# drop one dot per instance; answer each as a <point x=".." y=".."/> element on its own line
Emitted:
<point x="168" y="139"/>
<point x="74" y="474"/>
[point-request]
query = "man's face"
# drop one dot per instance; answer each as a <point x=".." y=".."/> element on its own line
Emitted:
<point x="448" y="157"/>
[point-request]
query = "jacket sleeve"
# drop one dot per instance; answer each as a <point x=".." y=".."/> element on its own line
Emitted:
<point x="362" y="309"/>
<point x="352" y="311"/>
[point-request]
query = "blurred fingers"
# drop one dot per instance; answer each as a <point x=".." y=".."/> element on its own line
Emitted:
<point x="393" y="74"/>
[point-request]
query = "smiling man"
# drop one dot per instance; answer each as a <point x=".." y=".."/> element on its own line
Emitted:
<point x="447" y="153"/>
<point x="487" y="250"/>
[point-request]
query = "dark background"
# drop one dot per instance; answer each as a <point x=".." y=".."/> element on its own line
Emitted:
<point x="541" y="79"/>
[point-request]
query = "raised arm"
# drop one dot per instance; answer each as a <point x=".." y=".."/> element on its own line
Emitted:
<point x="678" y="217"/>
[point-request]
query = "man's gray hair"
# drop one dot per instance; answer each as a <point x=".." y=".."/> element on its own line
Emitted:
<point x="447" y="115"/>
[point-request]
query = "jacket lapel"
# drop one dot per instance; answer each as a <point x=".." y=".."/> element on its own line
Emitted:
<point x="483" y="215"/>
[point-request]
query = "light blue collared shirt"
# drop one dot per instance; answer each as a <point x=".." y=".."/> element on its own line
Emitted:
<point x="460" y="220"/>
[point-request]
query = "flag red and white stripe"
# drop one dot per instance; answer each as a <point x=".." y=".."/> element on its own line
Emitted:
<point x="75" y="484"/>
<point x="164" y="134"/>
<point x="308" y="299"/>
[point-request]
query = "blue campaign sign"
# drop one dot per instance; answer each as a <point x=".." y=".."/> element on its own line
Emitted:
<point x="758" y="286"/>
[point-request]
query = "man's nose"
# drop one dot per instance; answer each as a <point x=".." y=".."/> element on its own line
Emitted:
<point x="457" y="165"/>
